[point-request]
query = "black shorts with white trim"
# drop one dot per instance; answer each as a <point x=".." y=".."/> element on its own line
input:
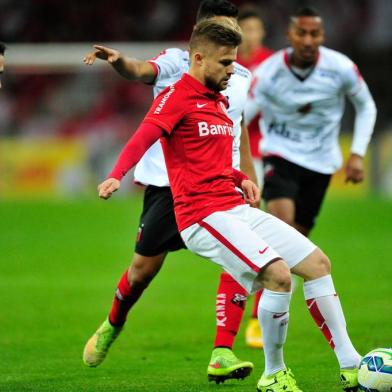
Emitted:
<point x="158" y="232"/>
<point x="305" y="187"/>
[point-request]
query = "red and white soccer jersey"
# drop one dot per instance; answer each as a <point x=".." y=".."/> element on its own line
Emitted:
<point x="170" y="65"/>
<point x="197" y="149"/>
<point x="303" y="115"/>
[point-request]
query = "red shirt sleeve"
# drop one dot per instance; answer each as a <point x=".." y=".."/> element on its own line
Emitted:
<point x="168" y="109"/>
<point x="239" y="177"/>
<point x="144" y="137"/>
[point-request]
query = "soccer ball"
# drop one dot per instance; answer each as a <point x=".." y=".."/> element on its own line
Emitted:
<point x="375" y="371"/>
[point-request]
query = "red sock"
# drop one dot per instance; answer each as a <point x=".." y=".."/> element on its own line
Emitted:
<point x="230" y="306"/>
<point x="256" y="303"/>
<point x="124" y="299"/>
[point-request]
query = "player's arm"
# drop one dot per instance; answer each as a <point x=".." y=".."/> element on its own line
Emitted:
<point x="246" y="161"/>
<point x="145" y="136"/>
<point x="365" y="118"/>
<point x="128" y="67"/>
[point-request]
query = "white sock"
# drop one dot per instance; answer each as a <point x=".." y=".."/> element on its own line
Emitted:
<point x="325" y="308"/>
<point x="273" y="315"/>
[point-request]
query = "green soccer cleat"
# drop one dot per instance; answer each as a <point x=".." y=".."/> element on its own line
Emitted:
<point x="349" y="379"/>
<point x="98" y="345"/>
<point x="281" y="381"/>
<point x="224" y="365"/>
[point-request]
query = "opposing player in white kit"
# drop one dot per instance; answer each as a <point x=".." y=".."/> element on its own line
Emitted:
<point x="301" y="91"/>
<point x="256" y="248"/>
<point x="152" y="243"/>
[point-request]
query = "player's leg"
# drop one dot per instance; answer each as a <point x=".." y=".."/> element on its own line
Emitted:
<point x="325" y="308"/>
<point x="320" y="294"/>
<point x="129" y="289"/>
<point x="279" y="192"/>
<point x="324" y="305"/>
<point x="230" y="305"/>
<point x="228" y="240"/>
<point x="150" y="251"/>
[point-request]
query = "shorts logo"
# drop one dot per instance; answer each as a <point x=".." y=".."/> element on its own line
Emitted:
<point x="139" y="232"/>
<point x="201" y="105"/>
<point x="239" y="300"/>
<point x="268" y="170"/>
<point x="278" y="315"/>
<point x="263" y="251"/>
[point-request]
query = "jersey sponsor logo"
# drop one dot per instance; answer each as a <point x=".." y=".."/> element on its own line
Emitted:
<point x="264" y="250"/>
<point x="201" y="105"/>
<point x="280" y="129"/>
<point x="164" y="99"/>
<point x="206" y="129"/>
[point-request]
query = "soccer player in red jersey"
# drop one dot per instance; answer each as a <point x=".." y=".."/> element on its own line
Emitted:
<point x="251" y="53"/>
<point x="256" y="248"/>
<point x="153" y="244"/>
<point x="2" y="61"/>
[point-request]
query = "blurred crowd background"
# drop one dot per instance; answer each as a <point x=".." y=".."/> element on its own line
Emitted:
<point x="62" y="123"/>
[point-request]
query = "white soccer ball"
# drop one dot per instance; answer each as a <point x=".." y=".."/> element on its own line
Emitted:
<point x="375" y="371"/>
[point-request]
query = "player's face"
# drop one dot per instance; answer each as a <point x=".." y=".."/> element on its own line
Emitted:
<point x="218" y="66"/>
<point x="1" y="67"/>
<point x="253" y="32"/>
<point x="305" y="35"/>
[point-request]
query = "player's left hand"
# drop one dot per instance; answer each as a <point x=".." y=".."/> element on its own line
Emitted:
<point x="251" y="192"/>
<point x="355" y="171"/>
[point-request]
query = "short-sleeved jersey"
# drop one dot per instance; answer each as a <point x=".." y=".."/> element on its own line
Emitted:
<point x="170" y="65"/>
<point x="303" y="116"/>
<point x="197" y="149"/>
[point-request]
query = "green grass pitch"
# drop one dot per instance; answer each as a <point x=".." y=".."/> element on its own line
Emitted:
<point x="60" y="263"/>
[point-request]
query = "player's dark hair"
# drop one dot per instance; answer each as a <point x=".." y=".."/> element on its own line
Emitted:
<point x="210" y="8"/>
<point x="248" y="11"/>
<point x="220" y="32"/>
<point x="2" y="48"/>
<point x="305" y="11"/>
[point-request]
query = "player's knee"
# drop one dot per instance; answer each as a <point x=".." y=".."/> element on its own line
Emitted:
<point x="320" y="266"/>
<point x="324" y="264"/>
<point x="277" y="277"/>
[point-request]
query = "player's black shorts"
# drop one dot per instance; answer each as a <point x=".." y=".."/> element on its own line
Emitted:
<point x="306" y="187"/>
<point x="158" y="230"/>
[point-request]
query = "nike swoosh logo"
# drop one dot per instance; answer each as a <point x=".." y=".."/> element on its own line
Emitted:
<point x="201" y="105"/>
<point x="263" y="251"/>
<point x="278" y="315"/>
<point x="215" y="365"/>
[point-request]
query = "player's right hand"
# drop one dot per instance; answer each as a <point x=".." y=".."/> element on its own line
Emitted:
<point x="108" y="187"/>
<point x="103" y="53"/>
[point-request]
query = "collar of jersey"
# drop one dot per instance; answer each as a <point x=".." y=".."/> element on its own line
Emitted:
<point x="201" y="88"/>
<point x="286" y="58"/>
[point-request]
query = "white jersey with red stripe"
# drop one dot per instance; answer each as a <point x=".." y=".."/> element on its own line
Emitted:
<point x="170" y="65"/>
<point x="302" y="116"/>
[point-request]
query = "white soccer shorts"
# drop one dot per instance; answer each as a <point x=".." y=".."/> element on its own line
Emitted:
<point x="243" y="240"/>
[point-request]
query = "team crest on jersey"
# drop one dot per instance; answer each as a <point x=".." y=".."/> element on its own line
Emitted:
<point x="223" y="107"/>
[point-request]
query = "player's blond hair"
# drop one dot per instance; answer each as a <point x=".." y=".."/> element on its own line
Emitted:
<point x="220" y="31"/>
